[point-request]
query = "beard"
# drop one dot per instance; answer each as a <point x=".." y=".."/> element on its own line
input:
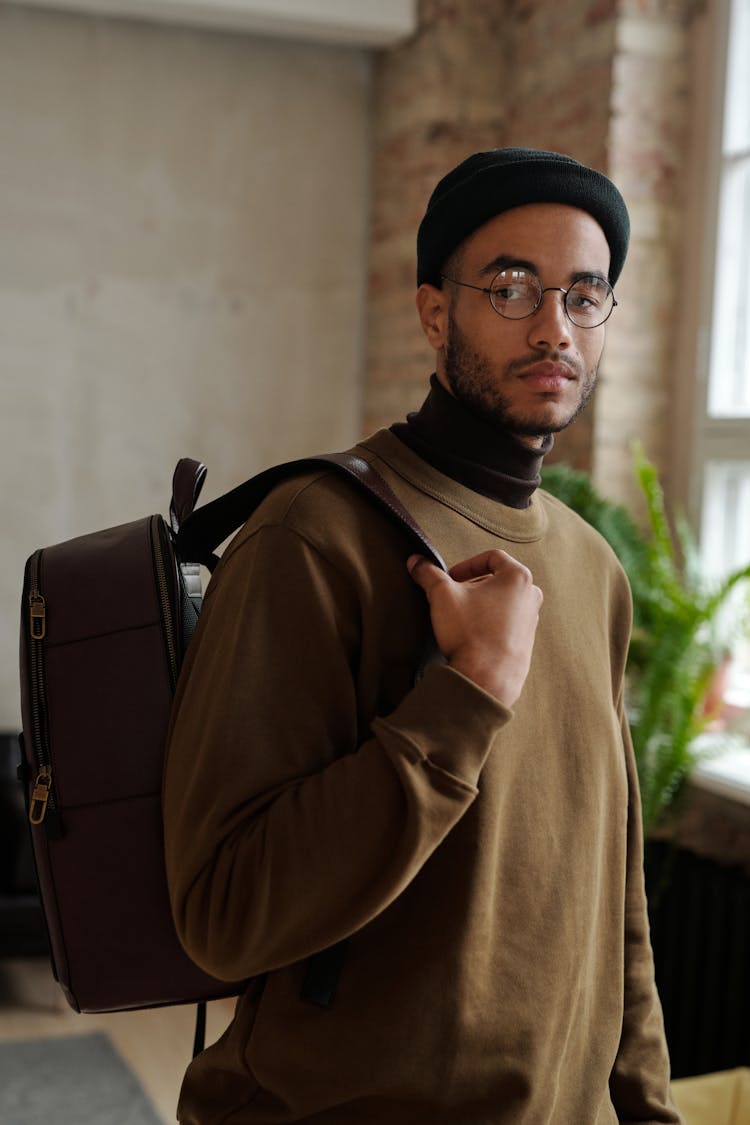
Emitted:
<point x="476" y="383"/>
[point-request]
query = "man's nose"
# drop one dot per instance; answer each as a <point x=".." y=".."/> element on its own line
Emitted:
<point x="549" y="326"/>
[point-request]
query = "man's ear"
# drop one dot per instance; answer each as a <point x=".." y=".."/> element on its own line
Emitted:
<point x="432" y="306"/>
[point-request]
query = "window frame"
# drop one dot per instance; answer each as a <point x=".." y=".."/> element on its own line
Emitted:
<point x="726" y="437"/>
<point x="704" y="441"/>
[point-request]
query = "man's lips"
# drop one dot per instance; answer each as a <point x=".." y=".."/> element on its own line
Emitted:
<point x="547" y="376"/>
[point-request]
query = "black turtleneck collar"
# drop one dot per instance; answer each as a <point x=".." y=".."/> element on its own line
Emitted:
<point x="469" y="449"/>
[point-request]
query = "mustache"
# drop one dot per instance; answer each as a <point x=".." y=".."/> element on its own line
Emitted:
<point x="519" y="366"/>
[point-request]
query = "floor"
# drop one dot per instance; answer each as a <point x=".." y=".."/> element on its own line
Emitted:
<point x="156" y="1044"/>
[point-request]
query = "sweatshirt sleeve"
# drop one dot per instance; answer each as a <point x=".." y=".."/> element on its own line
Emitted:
<point x="285" y="832"/>
<point x="639" y="1083"/>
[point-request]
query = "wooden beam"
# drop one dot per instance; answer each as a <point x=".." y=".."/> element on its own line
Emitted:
<point x="355" y="23"/>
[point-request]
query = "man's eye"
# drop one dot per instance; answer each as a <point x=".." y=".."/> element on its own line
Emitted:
<point x="514" y="292"/>
<point x="583" y="301"/>
<point x="588" y="296"/>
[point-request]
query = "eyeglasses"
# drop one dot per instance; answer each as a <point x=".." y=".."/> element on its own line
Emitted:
<point x="517" y="293"/>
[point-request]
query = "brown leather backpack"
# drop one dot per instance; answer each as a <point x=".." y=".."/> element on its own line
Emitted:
<point x="106" y="619"/>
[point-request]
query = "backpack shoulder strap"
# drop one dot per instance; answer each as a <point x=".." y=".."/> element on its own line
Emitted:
<point x="200" y="532"/>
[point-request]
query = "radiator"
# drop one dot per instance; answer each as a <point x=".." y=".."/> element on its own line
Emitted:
<point x="700" y="932"/>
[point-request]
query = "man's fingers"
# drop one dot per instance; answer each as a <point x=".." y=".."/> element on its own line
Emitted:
<point x="489" y="562"/>
<point x="484" y="615"/>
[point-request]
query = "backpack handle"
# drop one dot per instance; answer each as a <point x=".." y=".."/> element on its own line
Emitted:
<point x="187" y="482"/>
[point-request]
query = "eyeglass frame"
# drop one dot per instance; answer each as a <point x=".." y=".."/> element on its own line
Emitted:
<point x="549" y="289"/>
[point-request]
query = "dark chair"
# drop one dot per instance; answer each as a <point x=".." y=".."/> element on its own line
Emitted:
<point x="22" y="929"/>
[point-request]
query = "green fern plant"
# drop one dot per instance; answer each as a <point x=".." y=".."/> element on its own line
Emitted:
<point x="677" y="641"/>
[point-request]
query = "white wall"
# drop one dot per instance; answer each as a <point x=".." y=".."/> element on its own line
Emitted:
<point x="183" y="222"/>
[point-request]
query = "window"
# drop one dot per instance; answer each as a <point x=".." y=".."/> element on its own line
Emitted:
<point x="725" y="542"/>
<point x="729" y="375"/>
<point x="724" y="426"/>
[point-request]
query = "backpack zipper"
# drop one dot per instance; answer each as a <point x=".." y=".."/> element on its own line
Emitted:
<point x="42" y="805"/>
<point x="163" y="556"/>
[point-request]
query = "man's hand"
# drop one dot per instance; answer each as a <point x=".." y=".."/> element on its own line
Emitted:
<point x="484" y="615"/>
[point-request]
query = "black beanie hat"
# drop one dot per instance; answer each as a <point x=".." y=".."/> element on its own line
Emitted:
<point x="488" y="183"/>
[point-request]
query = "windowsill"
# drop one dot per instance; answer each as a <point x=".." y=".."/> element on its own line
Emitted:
<point x="727" y="773"/>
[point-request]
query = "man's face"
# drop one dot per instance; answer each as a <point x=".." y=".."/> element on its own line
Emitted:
<point x="535" y="375"/>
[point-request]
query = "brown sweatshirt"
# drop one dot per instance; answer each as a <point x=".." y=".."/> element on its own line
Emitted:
<point x="484" y="864"/>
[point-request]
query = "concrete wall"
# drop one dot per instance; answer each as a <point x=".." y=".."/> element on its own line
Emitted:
<point x="183" y="226"/>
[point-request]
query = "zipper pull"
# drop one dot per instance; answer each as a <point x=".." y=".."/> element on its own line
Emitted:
<point x="40" y="795"/>
<point x="37" y="616"/>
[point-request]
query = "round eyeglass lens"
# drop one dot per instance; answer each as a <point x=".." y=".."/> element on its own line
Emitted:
<point x="515" y="293"/>
<point x="589" y="302"/>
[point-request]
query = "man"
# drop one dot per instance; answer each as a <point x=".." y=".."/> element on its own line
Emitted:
<point x="435" y="886"/>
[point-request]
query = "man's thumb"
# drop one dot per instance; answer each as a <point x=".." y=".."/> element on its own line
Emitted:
<point x="424" y="573"/>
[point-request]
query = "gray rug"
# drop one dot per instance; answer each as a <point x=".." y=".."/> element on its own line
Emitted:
<point x="77" y="1080"/>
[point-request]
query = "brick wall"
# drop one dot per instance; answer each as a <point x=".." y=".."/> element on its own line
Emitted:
<point x="604" y="81"/>
<point x="649" y="152"/>
<point x="436" y="101"/>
